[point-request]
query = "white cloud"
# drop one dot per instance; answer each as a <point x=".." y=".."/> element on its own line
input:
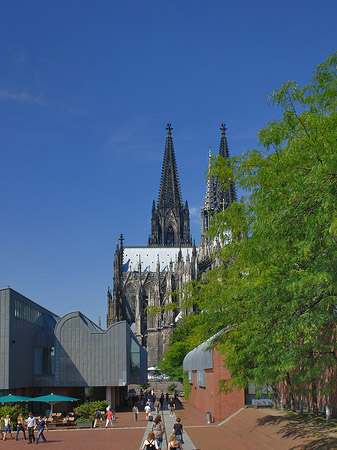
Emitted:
<point x="21" y="97"/>
<point x="194" y="214"/>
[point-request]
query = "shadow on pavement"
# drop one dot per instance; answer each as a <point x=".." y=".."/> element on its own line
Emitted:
<point x="318" y="444"/>
<point x="297" y="427"/>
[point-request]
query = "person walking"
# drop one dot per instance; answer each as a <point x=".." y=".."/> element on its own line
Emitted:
<point x="157" y="406"/>
<point x="110" y="418"/>
<point x="174" y="444"/>
<point x="8" y="428"/>
<point x="150" y="443"/>
<point x="98" y="416"/>
<point x="178" y="430"/>
<point x="147" y="410"/>
<point x="41" y="427"/>
<point x="158" y="430"/>
<point x="31" y="422"/>
<point x="162" y="398"/>
<point x="171" y="407"/>
<point x="135" y="411"/>
<point x="20" y="426"/>
<point x="2" y="421"/>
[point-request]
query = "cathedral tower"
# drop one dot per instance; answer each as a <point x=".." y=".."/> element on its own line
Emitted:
<point x="170" y="222"/>
<point x="219" y="195"/>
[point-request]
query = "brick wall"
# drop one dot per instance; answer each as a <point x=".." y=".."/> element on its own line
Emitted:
<point x="207" y="398"/>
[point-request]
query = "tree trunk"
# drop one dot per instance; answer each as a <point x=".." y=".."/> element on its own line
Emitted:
<point x="292" y="400"/>
<point x="314" y="398"/>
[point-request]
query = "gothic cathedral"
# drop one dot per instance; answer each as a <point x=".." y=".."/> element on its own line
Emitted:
<point x="146" y="276"/>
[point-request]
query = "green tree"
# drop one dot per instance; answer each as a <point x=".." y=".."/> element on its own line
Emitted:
<point x="184" y="339"/>
<point x="276" y="286"/>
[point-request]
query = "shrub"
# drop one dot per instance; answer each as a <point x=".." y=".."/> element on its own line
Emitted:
<point x="87" y="410"/>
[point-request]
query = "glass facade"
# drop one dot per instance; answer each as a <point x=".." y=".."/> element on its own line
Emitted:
<point x="135" y="358"/>
<point x="44" y="360"/>
<point x="26" y="312"/>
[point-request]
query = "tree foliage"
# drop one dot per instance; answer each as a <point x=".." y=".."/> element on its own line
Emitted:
<point x="277" y="282"/>
<point x="184" y="339"/>
<point x="88" y="409"/>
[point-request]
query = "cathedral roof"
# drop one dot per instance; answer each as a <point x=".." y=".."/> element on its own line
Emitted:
<point x="149" y="257"/>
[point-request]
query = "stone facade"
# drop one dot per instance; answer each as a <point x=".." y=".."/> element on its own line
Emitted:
<point x="147" y="276"/>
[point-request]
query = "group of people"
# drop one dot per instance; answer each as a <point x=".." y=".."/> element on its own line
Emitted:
<point x="110" y="417"/>
<point x="154" y="403"/>
<point x="31" y="425"/>
<point x="155" y="437"/>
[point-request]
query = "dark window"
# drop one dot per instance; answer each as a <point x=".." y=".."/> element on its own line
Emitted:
<point x="170" y="236"/>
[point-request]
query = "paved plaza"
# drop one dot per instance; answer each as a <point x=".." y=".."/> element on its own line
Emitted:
<point x="249" y="429"/>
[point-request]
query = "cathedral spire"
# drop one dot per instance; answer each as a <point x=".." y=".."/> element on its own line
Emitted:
<point x="170" y="222"/>
<point x="169" y="194"/>
<point x="210" y="203"/>
<point x="226" y="193"/>
<point x="223" y="142"/>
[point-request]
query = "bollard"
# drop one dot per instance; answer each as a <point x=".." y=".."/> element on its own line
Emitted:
<point x="208" y="416"/>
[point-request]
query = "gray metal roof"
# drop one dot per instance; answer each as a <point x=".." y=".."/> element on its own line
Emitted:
<point x="202" y="356"/>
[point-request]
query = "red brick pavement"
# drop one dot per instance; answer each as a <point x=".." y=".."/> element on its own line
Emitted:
<point x="126" y="435"/>
<point x="256" y="429"/>
<point x="251" y="429"/>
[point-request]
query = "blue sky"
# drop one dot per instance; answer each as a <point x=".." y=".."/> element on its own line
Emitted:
<point x="86" y="91"/>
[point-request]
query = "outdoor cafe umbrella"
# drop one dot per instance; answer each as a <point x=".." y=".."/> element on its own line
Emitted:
<point x="52" y="399"/>
<point x="11" y="398"/>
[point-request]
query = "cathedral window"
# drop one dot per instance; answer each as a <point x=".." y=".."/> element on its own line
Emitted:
<point x="170" y="236"/>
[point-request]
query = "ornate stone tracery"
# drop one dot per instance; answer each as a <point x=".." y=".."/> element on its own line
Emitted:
<point x="142" y="279"/>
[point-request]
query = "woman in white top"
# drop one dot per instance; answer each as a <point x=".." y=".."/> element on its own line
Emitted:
<point x="8" y="428"/>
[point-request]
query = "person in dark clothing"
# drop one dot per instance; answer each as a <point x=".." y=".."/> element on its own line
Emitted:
<point x="171" y="407"/>
<point x="178" y="430"/>
<point x="41" y="426"/>
<point x="98" y="416"/>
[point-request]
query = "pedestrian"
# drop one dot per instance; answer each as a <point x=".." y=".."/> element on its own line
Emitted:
<point x="147" y="410"/>
<point x="174" y="444"/>
<point x="172" y="437"/>
<point x="20" y="426"/>
<point x="41" y="427"/>
<point x="158" y="429"/>
<point x="98" y="416"/>
<point x="178" y="430"/>
<point x="171" y="407"/>
<point x="8" y="428"/>
<point x="110" y="418"/>
<point x="150" y="443"/>
<point x="31" y="422"/>
<point x="157" y="406"/>
<point x="162" y="399"/>
<point x="2" y="422"/>
<point x="135" y="413"/>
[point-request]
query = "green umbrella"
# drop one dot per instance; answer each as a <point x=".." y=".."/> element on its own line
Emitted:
<point x="10" y="398"/>
<point x="52" y="399"/>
